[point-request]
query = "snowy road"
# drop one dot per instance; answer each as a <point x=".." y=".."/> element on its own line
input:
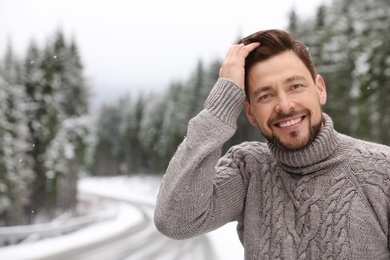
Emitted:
<point x="148" y="243"/>
<point x="143" y="241"/>
<point x="131" y="234"/>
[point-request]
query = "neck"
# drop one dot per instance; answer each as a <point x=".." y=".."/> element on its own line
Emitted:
<point x="309" y="158"/>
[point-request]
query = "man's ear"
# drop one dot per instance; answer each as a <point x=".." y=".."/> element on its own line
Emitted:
<point x="249" y="114"/>
<point x="321" y="89"/>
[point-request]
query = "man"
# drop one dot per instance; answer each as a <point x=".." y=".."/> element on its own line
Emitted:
<point x="308" y="193"/>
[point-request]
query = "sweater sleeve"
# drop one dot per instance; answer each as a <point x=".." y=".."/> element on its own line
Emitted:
<point x="196" y="196"/>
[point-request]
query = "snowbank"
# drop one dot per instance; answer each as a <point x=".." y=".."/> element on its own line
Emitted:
<point x="139" y="189"/>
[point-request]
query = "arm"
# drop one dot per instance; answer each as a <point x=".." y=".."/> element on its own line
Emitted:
<point x="196" y="196"/>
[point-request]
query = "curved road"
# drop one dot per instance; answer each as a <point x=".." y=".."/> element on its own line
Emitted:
<point x="144" y="242"/>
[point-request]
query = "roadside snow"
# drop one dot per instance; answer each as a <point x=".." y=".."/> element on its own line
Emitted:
<point x="126" y="217"/>
<point x="226" y="242"/>
<point x="138" y="189"/>
<point x="145" y="188"/>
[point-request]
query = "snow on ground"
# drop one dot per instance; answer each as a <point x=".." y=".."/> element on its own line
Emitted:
<point x="226" y="242"/>
<point x="139" y="188"/>
<point x="81" y="238"/>
<point x="145" y="188"/>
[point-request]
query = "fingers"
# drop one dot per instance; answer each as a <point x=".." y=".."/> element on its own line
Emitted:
<point x="246" y="49"/>
<point x="241" y="50"/>
<point x="233" y="66"/>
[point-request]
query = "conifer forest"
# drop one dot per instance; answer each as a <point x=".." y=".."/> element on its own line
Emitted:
<point x="49" y="137"/>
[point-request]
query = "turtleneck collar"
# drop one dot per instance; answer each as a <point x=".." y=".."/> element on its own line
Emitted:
<point x="312" y="158"/>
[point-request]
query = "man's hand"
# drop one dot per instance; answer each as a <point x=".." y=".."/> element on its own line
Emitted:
<point x="233" y="67"/>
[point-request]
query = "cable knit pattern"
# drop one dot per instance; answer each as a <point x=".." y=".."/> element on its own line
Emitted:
<point x="330" y="200"/>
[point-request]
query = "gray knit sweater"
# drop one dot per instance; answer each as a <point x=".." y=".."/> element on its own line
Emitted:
<point x="328" y="201"/>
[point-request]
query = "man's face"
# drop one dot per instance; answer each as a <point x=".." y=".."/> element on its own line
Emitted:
<point x="285" y="102"/>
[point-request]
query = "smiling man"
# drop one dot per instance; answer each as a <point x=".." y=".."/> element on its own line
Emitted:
<point x="286" y="100"/>
<point x="309" y="192"/>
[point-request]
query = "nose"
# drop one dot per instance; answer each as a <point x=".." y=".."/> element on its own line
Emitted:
<point x="284" y="104"/>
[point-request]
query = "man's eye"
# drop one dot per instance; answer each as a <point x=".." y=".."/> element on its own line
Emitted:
<point x="263" y="97"/>
<point x="296" y="86"/>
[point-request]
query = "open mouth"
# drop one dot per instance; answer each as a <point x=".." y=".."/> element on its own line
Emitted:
<point x="290" y="122"/>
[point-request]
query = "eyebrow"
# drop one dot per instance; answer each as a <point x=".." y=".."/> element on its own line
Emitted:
<point x="294" y="78"/>
<point x="261" y="89"/>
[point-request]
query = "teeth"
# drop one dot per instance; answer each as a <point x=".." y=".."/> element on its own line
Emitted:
<point x="291" y="122"/>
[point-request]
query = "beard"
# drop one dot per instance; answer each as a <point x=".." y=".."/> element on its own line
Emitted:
<point x="295" y="140"/>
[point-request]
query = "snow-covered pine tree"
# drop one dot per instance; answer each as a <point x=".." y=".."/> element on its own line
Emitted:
<point x="56" y="99"/>
<point x="371" y="19"/>
<point x="68" y="123"/>
<point x="135" y="155"/>
<point x="16" y="172"/>
<point x="109" y="141"/>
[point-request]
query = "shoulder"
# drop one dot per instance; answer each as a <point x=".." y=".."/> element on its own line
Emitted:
<point x="370" y="162"/>
<point x="245" y="159"/>
<point x="367" y="151"/>
<point x="247" y="153"/>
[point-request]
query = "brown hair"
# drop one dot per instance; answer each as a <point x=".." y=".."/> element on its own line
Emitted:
<point x="274" y="42"/>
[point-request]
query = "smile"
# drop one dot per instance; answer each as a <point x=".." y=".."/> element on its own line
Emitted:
<point x="290" y="122"/>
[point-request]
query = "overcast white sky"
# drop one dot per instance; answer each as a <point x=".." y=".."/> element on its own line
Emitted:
<point x="128" y="45"/>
